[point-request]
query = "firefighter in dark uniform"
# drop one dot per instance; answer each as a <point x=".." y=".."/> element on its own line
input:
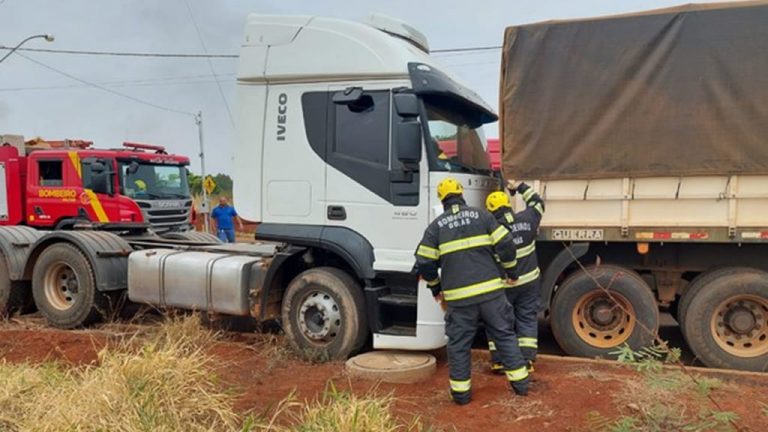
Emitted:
<point x="463" y="242"/>
<point x="524" y="294"/>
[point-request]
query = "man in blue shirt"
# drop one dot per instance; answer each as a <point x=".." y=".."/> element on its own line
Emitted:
<point x="224" y="216"/>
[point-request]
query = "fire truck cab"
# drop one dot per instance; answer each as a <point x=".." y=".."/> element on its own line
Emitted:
<point x="63" y="184"/>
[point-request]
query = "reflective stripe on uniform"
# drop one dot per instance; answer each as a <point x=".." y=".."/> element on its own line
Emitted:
<point x="539" y="208"/>
<point x="433" y="282"/>
<point x="509" y="264"/>
<point x="473" y="290"/>
<point x="509" y="217"/>
<point x="428" y="252"/>
<point x="491" y="346"/>
<point x="527" y="342"/>
<point x="465" y="243"/>
<point x="461" y="386"/>
<point x="528" y="277"/>
<point x="528" y="194"/>
<point x="499" y="234"/>
<point x="518" y="374"/>
<point x="525" y="251"/>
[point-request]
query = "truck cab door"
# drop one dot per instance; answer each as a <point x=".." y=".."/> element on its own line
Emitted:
<point x="97" y="195"/>
<point x="369" y="190"/>
<point x="51" y="195"/>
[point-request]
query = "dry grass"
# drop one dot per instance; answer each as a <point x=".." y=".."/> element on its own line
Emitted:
<point x="160" y="380"/>
<point x="337" y="411"/>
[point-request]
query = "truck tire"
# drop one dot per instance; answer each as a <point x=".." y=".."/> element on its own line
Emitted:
<point x="14" y="295"/>
<point x="323" y="315"/>
<point x="193" y="236"/>
<point x="587" y="323"/>
<point x="726" y="322"/>
<point x="64" y="288"/>
<point x="691" y="291"/>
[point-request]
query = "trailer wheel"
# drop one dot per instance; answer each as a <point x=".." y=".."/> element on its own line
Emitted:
<point x="64" y="288"/>
<point x="14" y="295"/>
<point x="700" y="281"/>
<point x="586" y="322"/>
<point x="323" y="314"/>
<point x="726" y="322"/>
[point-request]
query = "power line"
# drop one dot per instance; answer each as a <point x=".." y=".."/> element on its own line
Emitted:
<point x="206" y="55"/>
<point x="210" y="63"/>
<point x="108" y="90"/>
<point x="122" y="53"/>
<point x="146" y="82"/>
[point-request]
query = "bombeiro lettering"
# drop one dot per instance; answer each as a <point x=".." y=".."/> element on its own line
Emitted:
<point x="282" y="116"/>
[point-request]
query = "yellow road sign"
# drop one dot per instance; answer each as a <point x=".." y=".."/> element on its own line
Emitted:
<point x="209" y="184"/>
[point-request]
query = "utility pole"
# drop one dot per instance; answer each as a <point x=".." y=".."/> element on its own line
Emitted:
<point x="204" y="206"/>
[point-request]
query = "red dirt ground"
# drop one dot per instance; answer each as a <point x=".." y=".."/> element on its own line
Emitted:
<point x="264" y="374"/>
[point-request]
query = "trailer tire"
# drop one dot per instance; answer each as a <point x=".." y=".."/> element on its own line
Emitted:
<point x="692" y="290"/>
<point x="726" y="322"/>
<point x="14" y="295"/>
<point x="323" y="314"/>
<point x="587" y="323"/>
<point x="64" y="288"/>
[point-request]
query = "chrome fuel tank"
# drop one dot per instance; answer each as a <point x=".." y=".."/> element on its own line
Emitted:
<point x="215" y="282"/>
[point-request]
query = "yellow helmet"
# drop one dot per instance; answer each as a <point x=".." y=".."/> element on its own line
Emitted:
<point x="449" y="186"/>
<point x="140" y="184"/>
<point x="497" y="200"/>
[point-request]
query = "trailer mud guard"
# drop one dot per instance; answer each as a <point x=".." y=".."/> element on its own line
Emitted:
<point x="556" y="267"/>
<point x="107" y="253"/>
<point x="16" y="243"/>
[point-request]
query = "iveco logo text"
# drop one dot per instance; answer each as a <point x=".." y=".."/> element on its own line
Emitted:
<point x="282" y="109"/>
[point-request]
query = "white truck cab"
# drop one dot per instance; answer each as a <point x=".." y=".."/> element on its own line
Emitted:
<point x="344" y="131"/>
<point x="339" y="124"/>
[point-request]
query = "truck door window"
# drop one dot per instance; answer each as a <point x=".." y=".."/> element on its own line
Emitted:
<point x="455" y="146"/>
<point x="362" y="129"/>
<point x="51" y="173"/>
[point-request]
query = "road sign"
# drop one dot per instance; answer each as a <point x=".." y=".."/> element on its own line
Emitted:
<point x="209" y="184"/>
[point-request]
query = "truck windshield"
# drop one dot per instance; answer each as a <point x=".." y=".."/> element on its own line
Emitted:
<point x="453" y="145"/>
<point x="151" y="181"/>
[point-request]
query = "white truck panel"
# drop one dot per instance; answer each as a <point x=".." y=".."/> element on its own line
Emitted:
<point x="698" y="201"/>
<point x="3" y="194"/>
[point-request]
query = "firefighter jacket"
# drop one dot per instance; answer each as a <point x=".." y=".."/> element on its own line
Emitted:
<point x="524" y="227"/>
<point x="462" y="242"/>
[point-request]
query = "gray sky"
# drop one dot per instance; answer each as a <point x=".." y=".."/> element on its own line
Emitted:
<point x="29" y="106"/>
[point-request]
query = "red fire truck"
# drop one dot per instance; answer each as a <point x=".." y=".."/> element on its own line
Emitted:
<point x="70" y="214"/>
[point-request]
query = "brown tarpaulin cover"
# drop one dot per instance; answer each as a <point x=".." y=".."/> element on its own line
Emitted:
<point x="680" y="91"/>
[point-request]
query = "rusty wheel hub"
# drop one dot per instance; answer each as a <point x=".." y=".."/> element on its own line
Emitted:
<point x="602" y="322"/>
<point x="740" y="325"/>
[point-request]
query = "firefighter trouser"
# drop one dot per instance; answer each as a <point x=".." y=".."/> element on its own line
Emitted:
<point x="525" y="300"/>
<point x="461" y="325"/>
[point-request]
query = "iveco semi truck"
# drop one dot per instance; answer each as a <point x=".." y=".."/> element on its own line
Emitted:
<point x="339" y="127"/>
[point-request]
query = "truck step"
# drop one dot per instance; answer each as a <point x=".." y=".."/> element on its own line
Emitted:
<point x="399" y="300"/>
<point x="399" y="330"/>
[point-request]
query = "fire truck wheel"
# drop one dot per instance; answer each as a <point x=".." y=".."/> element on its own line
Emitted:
<point x="726" y="322"/>
<point x="588" y="322"/>
<point x="14" y="295"/>
<point x="699" y="282"/>
<point x="64" y="288"/>
<point x="323" y="314"/>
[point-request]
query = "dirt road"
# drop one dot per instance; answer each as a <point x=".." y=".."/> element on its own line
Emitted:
<point x="567" y="395"/>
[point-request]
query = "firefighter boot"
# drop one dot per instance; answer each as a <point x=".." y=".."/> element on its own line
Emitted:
<point x="520" y="387"/>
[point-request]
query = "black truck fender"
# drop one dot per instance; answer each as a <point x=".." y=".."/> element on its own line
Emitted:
<point x="16" y="242"/>
<point x="556" y="267"/>
<point x="107" y="253"/>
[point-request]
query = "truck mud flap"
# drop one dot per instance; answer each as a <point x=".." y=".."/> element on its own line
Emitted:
<point x="16" y="243"/>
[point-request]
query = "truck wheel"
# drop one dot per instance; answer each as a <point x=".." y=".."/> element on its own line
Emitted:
<point x="323" y="314"/>
<point x="14" y="295"/>
<point x="587" y="323"/>
<point x="64" y="288"/>
<point x="691" y="291"/>
<point x="726" y="322"/>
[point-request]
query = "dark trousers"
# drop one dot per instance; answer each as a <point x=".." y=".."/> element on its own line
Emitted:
<point x="461" y="324"/>
<point x="525" y="300"/>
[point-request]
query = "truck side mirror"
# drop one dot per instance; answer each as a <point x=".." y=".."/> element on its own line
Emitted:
<point x="406" y="104"/>
<point x="102" y="182"/>
<point x="409" y="142"/>
<point x="98" y="167"/>
<point x="133" y="167"/>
